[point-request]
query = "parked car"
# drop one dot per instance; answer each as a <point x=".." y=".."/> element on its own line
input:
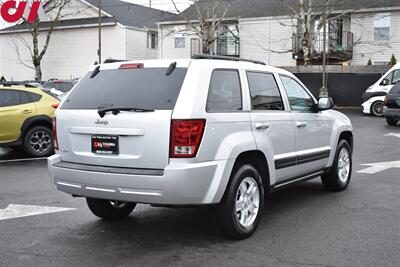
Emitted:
<point x="205" y="131"/>
<point x="374" y="96"/>
<point x="392" y="105"/>
<point x="26" y="119"/>
<point x="58" y="87"/>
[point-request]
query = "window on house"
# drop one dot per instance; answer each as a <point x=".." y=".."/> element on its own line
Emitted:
<point x="152" y="40"/>
<point x="179" y="42"/>
<point x="382" y="27"/>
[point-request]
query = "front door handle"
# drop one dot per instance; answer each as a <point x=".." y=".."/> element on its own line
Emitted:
<point x="262" y="125"/>
<point x="301" y="124"/>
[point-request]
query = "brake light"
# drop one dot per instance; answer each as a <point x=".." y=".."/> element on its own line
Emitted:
<point x="186" y="137"/>
<point x="54" y="130"/>
<point x="55" y="106"/>
<point x="386" y="101"/>
<point x="131" y="66"/>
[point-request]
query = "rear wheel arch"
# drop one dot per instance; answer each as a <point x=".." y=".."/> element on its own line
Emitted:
<point x="257" y="159"/>
<point x="40" y="120"/>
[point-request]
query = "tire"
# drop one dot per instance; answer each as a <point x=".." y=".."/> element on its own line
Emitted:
<point x="338" y="178"/>
<point x="38" y="142"/>
<point x="110" y="210"/>
<point x="391" y="121"/>
<point x="377" y="108"/>
<point x="231" y="221"/>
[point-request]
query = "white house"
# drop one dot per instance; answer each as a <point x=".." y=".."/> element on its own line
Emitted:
<point x="129" y="31"/>
<point x="267" y="31"/>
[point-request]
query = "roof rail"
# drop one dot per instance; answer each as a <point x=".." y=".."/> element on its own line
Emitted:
<point x="203" y="56"/>
<point x="112" y="60"/>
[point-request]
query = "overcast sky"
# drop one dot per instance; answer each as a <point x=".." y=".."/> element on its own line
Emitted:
<point x="159" y="4"/>
<point x="162" y="4"/>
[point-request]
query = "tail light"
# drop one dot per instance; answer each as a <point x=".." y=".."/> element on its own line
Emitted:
<point x="55" y="105"/>
<point x="55" y="133"/>
<point x="386" y="101"/>
<point x="186" y="137"/>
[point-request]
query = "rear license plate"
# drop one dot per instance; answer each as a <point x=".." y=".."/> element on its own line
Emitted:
<point x="105" y="144"/>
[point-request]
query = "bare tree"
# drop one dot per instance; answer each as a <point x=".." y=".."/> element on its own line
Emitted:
<point x="312" y="16"/>
<point x="37" y="48"/>
<point x="209" y="14"/>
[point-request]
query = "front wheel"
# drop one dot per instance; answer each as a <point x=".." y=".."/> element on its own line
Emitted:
<point x="377" y="108"/>
<point x="391" y="121"/>
<point x="241" y="208"/>
<point x="338" y="177"/>
<point x="110" y="209"/>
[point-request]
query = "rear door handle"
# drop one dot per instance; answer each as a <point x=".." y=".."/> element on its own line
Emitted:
<point x="27" y="111"/>
<point x="262" y="125"/>
<point x="301" y="124"/>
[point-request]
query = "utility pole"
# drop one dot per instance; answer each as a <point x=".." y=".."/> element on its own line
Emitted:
<point x="323" y="92"/>
<point x="150" y="3"/>
<point x="99" y="48"/>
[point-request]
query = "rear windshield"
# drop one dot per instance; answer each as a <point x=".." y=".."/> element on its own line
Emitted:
<point x="60" y="86"/>
<point x="145" y="88"/>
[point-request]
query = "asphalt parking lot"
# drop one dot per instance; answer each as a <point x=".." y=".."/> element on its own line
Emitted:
<point x="302" y="225"/>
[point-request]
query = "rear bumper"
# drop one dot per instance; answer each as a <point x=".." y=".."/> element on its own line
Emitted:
<point x="179" y="183"/>
<point x="391" y="112"/>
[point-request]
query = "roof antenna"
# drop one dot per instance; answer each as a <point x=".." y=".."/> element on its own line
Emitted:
<point x="171" y="69"/>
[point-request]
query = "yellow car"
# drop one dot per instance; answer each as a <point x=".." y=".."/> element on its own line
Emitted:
<point x="26" y="116"/>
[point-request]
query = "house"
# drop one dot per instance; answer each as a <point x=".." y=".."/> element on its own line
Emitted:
<point x="128" y="31"/>
<point x="268" y="30"/>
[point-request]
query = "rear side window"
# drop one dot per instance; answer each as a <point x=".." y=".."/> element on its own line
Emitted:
<point x="264" y="91"/>
<point x="146" y="88"/>
<point x="34" y="97"/>
<point x="224" y="93"/>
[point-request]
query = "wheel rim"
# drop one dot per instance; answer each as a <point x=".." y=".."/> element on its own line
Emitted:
<point x="117" y="204"/>
<point x="40" y="141"/>
<point x="343" y="167"/>
<point x="377" y="108"/>
<point x="247" y="202"/>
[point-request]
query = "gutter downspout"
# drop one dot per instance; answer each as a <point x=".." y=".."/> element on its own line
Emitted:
<point x="160" y="42"/>
<point x="268" y="42"/>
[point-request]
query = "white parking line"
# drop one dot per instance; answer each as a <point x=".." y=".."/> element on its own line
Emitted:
<point x="18" y="211"/>
<point x="16" y="160"/>
<point x="393" y="134"/>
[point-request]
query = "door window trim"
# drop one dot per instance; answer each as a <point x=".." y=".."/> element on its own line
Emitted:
<point x="285" y="107"/>
<point x="240" y="90"/>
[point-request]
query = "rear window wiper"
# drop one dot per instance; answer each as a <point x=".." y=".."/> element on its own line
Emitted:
<point x="115" y="110"/>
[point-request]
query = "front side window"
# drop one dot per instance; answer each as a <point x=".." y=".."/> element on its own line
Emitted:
<point x="382" y="27"/>
<point x="264" y="91"/>
<point x="396" y="76"/>
<point x="224" y="93"/>
<point x="299" y="99"/>
<point x="9" y="98"/>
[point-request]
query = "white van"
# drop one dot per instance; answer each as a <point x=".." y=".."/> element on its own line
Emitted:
<point x="372" y="99"/>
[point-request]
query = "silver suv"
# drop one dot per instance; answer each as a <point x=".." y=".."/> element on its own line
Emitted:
<point x="203" y="131"/>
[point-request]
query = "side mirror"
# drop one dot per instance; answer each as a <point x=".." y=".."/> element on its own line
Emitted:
<point x="325" y="103"/>
<point x="385" y="82"/>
